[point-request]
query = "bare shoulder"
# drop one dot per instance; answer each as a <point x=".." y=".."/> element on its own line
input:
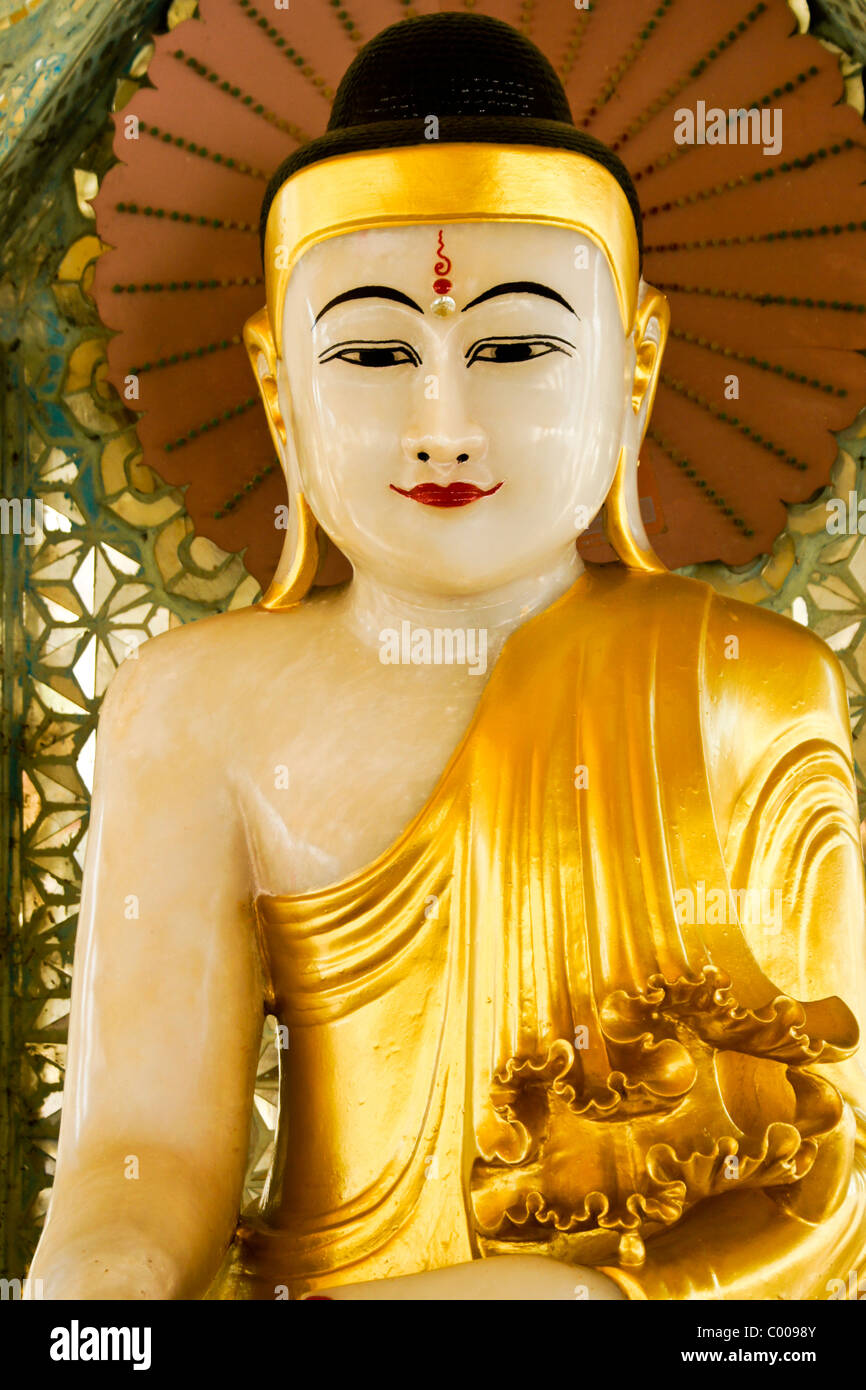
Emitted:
<point x="197" y="682"/>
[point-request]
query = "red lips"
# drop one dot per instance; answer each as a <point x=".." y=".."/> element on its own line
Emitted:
<point x="454" y="495"/>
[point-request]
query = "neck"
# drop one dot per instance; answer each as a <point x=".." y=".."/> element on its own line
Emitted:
<point x="372" y="604"/>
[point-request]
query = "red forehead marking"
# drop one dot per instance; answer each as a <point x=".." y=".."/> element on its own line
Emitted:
<point x="441" y="269"/>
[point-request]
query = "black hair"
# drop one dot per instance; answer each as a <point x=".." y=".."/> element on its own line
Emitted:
<point x="484" y="82"/>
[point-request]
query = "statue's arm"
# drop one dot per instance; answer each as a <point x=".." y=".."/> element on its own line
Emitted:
<point x="166" y="1009"/>
<point x="791" y="824"/>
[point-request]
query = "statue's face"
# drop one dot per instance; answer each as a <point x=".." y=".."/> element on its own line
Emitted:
<point x="455" y="453"/>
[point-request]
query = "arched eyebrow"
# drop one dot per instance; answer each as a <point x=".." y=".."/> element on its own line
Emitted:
<point x="369" y="292"/>
<point x="521" y="287"/>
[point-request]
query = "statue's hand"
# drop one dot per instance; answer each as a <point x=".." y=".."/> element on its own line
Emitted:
<point x="517" y="1277"/>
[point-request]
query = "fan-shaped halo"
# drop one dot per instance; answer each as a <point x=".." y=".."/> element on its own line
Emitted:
<point x="761" y="255"/>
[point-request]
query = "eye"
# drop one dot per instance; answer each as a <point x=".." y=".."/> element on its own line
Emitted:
<point x="372" y="354"/>
<point x="515" y="349"/>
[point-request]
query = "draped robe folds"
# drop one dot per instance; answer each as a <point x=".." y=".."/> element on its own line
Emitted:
<point x="509" y="1034"/>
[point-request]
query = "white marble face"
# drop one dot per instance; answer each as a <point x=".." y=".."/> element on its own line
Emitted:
<point x="455" y="454"/>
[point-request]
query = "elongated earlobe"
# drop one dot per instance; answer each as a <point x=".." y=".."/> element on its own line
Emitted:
<point x="628" y="538"/>
<point x="632" y="548"/>
<point x="299" y="559"/>
<point x="259" y="343"/>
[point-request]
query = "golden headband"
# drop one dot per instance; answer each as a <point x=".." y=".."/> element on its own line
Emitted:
<point x="441" y="183"/>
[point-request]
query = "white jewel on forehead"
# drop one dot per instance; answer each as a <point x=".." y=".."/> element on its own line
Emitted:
<point x="443" y="306"/>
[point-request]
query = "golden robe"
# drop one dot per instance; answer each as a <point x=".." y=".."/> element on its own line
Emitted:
<point x="552" y="1017"/>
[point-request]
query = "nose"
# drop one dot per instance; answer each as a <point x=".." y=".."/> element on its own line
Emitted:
<point x="446" y="450"/>
<point x="440" y="433"/>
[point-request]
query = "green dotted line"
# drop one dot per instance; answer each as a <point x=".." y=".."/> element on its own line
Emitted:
<point x="756" y="362"/>
<point x="187" y="356"/>
<point x="668" y="95"/>
<point x="348" y="23"/>
<point x="629" y="58"/>
<point x="172" y="215"/>
<point x="256" y="107"/>
<point x="791" y="300"/>
<point x="159" y="286"/>
<point x="525" y="18"/>
<point x="573" y="46"/>
<point x="755" y="238"/>
<point x="227" y="162"/>
<point x="287" y="51"/>
<point x="689" y="471"/>
<point x="667" y="159"/>
<point x="806" y="161"/>
<point x="786" y="88"/>
<point x="209" y="425"/>
<point x="238" y="497"/>
<point x="746" y="430"/>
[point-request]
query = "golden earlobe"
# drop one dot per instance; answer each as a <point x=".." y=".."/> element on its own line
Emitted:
<point x="653" y="305"/>
<point x="259" y="343"/>
<point x="299" y="560"/>
<point x="298" y="563"/>
<point x="635" y="552"/>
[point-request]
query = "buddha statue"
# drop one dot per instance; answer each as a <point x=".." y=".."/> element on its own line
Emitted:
<point x="549" y="872"/>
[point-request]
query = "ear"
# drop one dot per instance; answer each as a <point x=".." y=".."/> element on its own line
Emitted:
<point x="650" y="336"/>
<point x="260" y="345"/>
<point x="299" y="560"/>
<point x="623" y="523"/>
